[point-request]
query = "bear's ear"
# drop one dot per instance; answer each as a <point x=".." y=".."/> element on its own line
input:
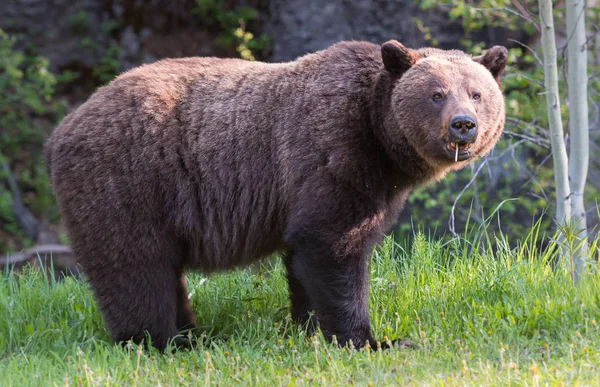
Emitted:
<point x="494" y="60"/>
<point x="397" y="58"/>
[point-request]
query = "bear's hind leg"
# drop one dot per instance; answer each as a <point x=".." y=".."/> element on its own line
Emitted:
<point x="137" y="299"/>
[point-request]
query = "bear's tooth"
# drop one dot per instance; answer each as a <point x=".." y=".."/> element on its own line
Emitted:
<point x="456" y="155"/>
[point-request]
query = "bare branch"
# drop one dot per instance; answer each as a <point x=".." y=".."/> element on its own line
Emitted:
<point x="526" y="77"/>
<point x="506" y="9"/>
<point x="34" y="252"/>
<point x="521" y="8"/>
<point x="486" y="160"/>
<point x="531" y="50"/>
<point x="451" y="220"/>
<point x="535" y="140"/>
<point x="533" y="177"/>
<point x="27" y="221"/>
<point x="538" y="128"/>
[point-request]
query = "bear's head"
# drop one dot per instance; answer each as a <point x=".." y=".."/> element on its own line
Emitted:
<point x="446" y="104"/>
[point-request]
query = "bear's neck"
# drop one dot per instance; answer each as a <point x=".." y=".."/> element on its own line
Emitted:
<point x="405" y="161"/>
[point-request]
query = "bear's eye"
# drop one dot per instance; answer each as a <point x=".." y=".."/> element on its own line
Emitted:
<point x="437" y="97"/>
<point x="476" y="96"/>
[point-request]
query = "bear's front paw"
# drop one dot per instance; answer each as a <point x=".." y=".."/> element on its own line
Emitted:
<point x="400" y="344"/>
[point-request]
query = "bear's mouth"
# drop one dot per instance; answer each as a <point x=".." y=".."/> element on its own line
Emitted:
<point x="459" y="151"/>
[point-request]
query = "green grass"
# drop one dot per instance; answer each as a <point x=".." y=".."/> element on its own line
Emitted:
<point x="494" y="316"/>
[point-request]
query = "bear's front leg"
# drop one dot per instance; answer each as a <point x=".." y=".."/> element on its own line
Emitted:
<point x="301" y="310"/>
<point x="337" y="291"/>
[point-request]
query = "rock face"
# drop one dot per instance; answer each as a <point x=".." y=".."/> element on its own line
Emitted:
<point x="299" y="27"/>
<point x="77" y="33"/>
<point x="52" y="26"/>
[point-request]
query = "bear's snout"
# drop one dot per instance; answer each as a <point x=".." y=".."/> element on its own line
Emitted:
<point x="463" y="129"/>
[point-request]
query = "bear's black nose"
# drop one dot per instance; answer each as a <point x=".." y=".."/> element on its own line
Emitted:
<point x="463" y="129"/>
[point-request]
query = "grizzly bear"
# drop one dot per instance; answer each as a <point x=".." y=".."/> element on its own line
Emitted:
<point x="209" y="164"/>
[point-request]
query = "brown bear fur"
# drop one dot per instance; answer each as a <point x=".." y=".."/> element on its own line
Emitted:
<point x="209" y="164"/>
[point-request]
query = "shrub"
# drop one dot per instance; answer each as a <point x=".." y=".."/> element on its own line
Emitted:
<point x="28" y="113"/>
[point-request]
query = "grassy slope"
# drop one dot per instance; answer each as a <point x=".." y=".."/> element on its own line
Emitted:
<point x="501" y="318"/>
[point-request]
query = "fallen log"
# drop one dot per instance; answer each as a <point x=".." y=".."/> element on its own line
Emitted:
<point x="59" y="258"/>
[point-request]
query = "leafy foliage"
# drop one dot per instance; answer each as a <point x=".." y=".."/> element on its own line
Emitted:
<point x="108" y="65"/>
<point x="27" y="114"/>
<point x="233" y="25"/>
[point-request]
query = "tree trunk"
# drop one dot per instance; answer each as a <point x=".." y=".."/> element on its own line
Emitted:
<point x="577" y="79"/>
<point x="557" y="140"/>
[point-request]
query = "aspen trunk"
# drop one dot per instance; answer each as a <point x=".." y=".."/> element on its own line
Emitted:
<point x="559" y="151"/>
<point x="577" y="79"/>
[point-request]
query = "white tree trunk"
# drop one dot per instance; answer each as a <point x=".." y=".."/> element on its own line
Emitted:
<point x="557" y="142"/>
<point x="577" y="79"/>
